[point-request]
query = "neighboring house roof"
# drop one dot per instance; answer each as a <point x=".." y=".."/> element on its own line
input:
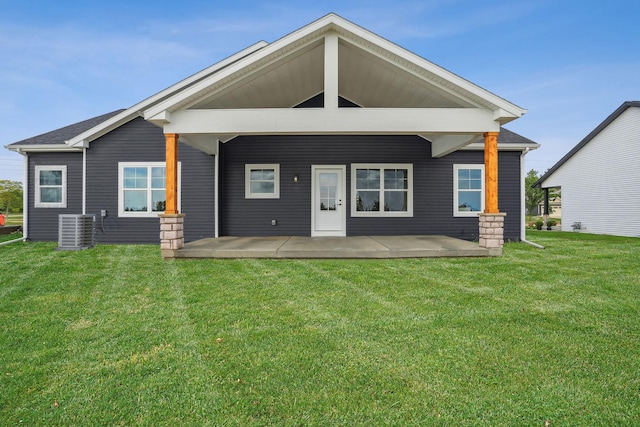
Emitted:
<point x="587" y="139"/>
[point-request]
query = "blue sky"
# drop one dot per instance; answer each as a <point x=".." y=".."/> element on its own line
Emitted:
<point x="570" y="63"/>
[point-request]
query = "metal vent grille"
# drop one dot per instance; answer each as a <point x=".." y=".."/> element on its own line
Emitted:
<point x="75" y="232"/>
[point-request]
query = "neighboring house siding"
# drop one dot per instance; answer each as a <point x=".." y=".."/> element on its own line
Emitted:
<point x="600" y="182"/>
<point x="432" y="185"/>
<point x="140" y="141"/>
<point x="43" y="222"/>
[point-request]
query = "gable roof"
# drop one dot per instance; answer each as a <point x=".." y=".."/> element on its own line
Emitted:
<point x="58" y="137"/>
<point x="373" y="73"/>
<point x="84" y="136"/>
<point x="621" y="109"/>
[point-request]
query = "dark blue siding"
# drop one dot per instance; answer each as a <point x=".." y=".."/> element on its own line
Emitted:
<point x="432" y="192"/>
<point x="42" y="223"/>
<point x="140" y="141"/>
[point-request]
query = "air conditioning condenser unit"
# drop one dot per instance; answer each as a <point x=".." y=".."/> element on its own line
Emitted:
<point x="75" y="232"/>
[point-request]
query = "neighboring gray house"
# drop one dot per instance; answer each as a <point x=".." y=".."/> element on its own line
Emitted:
<point x="331" y="130"/>
<point x="600" y="177"/>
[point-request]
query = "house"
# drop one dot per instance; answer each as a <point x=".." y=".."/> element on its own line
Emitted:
<point x="599" y="178"/>
<point x="328" y="131"/>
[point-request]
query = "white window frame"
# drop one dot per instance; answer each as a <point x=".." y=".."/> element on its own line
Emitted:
<point x="382" y="167"/>
<point x="38" y="203"/>
<point x="276" y="181"/>
<point x="148" y="165"/>
<point x="456" y="212"/>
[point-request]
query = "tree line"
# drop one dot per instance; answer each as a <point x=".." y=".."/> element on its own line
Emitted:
<point x="10" y="196"/>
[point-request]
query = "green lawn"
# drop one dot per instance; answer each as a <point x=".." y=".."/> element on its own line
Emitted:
<point x="117" y="336"/>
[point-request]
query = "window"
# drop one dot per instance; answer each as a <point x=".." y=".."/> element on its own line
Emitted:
<point x="382" y="190"/>
<point x="51" y="187"/>
<point x="468" y="194"/>
<point x="262" y="181"/>
<point x="142" y="189"/>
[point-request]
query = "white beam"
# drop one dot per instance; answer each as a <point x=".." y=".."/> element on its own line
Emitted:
<point x="331" y="71"/>
<point x="279" y="121"/>
<point x="205" y="143"/>
<point x="441" y="145"/>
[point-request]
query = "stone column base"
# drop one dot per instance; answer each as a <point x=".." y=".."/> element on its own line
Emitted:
<point x="171" y="234"/>
<point x="492" y="232"/>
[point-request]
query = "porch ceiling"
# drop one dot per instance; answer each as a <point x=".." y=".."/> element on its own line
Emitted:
<point x="363" y="78"/>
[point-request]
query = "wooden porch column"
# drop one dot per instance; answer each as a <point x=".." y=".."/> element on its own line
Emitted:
<point x="171" y="221"/>
<point x="491" y="172"/>
<point x="171" y="207"/>
<point x="491" y="224"/>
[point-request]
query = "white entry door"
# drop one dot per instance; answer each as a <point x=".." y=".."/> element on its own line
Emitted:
<point x="328" y="215"/>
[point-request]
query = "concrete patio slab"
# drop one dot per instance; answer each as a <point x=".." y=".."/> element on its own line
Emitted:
<point x="333" y="247"/>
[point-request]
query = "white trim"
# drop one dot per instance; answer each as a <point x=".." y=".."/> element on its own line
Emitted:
<point x="331" y="71"/>
<point x="382" y="167"/>
<point x="247" y="181"/>
<point x="37" y="202"/>
<point x="456" y="212"/>
<point x="343" y="224"/>
<point x="148" y="165"/>
<point x="49" y="148"/>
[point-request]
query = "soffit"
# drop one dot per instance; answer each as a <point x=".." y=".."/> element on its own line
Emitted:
<point x="283" y="83"/>
<point x="364" y="78"/>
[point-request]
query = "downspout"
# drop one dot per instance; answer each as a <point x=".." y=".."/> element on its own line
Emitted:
<point x="523" y="205"/>
<point x="84" y="180"/>
<point x="216" y="165"/>
<point x="25" y="198"/>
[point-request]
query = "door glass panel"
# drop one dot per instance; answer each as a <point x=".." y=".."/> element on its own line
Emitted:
<point x="328" y="183"/>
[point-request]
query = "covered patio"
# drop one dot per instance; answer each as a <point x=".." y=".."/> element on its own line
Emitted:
<point x="361" y="247"/>
<point x="298" y="87"/>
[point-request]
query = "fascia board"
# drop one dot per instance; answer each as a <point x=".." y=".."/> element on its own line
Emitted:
<point x="129" y="114"/>
<point x="27" y="148"/>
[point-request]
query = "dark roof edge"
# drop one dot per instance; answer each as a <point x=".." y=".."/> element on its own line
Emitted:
<point x="61" y="135"/>
<point x="621" y="109"/>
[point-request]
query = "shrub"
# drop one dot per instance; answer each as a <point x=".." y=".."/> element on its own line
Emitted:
<point x="539" y="224"/>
